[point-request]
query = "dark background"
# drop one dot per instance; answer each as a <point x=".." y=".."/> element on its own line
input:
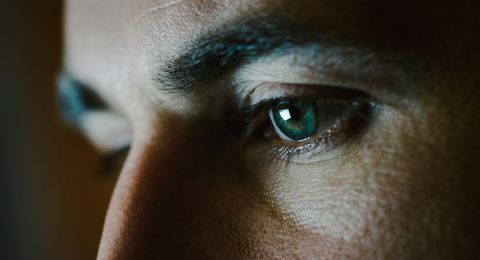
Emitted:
<point x="52" y="202"/>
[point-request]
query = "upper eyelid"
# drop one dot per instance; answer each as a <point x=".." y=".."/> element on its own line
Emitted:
<point x="272" y="91"/>
<point x="389" y="77"/>
<point x="75" y="99"/>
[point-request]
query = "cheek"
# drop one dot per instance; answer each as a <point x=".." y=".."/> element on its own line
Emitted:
<point x="187" y="192"/>
<point x="392" y="194"/>
<point x="326" y="199"/>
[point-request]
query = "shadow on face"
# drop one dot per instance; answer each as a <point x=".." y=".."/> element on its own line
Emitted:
<point x="279" y="130"/>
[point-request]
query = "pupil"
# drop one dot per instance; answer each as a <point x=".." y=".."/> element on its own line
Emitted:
<point x="296" y="120"/>
<point x="295" y="113"/>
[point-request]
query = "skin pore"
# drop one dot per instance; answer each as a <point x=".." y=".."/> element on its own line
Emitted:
<point x="187" y="86"/>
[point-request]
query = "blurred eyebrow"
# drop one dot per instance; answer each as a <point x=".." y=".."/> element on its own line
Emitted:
<point x="76" y="98"/>
<point x="233" y="43"/>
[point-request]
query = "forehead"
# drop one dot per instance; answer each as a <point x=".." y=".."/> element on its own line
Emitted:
<point x="117" y="43"/>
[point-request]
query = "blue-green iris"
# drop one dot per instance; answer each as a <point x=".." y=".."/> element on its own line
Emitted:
<point x="295" y="120"/>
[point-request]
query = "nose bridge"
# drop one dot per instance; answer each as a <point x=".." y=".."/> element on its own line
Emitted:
<point x="188" y="191"/>
<point x="165" y="195"/>
<point x="137" y="202"/>
<point x="158" y="179"/>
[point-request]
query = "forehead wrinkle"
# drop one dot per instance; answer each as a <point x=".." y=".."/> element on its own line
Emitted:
<point x="157" y="8"/>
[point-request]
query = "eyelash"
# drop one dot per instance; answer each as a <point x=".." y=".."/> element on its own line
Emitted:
<point x="258" y="123"/>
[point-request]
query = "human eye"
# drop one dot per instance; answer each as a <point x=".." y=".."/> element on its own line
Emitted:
<point x="105" y="127"/>
<point x="299" y="123"/>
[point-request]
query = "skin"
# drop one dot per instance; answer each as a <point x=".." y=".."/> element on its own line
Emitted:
<point x="404" y="188"/>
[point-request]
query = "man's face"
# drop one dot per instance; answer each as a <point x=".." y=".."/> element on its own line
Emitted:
<point x="281" y="129"/>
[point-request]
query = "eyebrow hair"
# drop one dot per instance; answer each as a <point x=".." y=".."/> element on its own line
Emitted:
<point x="233" y="43"/>
<point x="75" y="99"/>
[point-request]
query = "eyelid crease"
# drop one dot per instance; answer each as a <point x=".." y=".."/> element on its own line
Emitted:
<point x="388" y="82"/>
<point x="268" y="90"/>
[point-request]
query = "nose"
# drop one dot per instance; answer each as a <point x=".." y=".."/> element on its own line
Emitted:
<point x="136" y="205"/>
<point x="182" y="195"/>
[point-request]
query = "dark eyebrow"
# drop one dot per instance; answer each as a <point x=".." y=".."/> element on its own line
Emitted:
<point x="233" y="43"/>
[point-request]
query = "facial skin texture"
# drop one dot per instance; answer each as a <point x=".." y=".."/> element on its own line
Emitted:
<point x="403" y="188"/>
